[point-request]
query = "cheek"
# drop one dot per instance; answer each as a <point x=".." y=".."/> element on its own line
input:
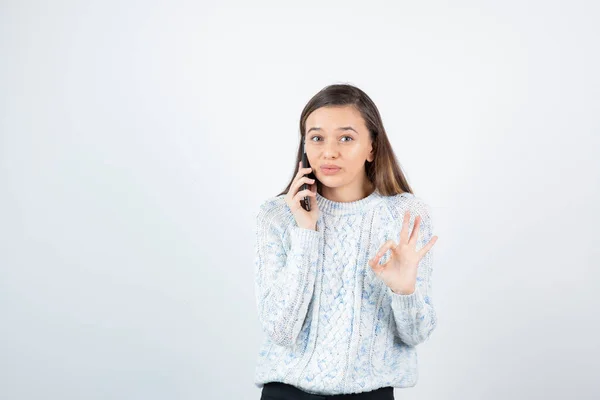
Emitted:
<point x="356" y="159"/>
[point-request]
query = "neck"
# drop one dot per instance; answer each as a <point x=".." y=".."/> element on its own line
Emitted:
<point x="347" y="194"/>
<point x="352" y="203"/>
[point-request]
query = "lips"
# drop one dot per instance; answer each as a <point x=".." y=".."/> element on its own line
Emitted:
<point x="330" y="169"/>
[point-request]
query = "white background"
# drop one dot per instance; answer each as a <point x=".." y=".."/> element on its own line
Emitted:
<point x="138" y="138"/>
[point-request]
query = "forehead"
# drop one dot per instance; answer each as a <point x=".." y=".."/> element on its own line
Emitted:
<point x="331" y="117"/>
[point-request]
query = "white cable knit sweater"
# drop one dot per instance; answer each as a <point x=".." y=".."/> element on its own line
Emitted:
<point x="332" y="326"/>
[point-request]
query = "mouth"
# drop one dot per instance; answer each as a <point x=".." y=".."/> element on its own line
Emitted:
<point x="330" y="170"/>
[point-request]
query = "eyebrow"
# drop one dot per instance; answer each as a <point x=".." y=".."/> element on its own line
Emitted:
<point x="341" y="128"/>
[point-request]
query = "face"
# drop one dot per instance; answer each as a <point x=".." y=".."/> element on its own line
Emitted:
<point x="337" y="135"/>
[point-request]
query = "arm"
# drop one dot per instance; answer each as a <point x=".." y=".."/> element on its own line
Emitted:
<point x="284" y="274"/>
<point x="414" y="313"/>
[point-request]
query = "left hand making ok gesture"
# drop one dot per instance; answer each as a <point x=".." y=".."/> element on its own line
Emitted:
<point x="399" y="273"/>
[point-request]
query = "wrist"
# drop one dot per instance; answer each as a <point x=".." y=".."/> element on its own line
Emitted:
<point x="310" y="228"/>
<point x="403" y="290"/>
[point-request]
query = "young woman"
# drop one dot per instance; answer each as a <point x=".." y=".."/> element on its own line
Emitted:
<point x="344" y="290"/>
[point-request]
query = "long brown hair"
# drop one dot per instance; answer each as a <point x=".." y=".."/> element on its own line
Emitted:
<point x="384" y="172"/>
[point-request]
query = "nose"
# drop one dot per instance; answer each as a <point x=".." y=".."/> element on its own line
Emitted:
<point x="330" y="150"/>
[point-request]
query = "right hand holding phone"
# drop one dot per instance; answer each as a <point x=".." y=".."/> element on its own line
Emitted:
<point x="304" y="219"/>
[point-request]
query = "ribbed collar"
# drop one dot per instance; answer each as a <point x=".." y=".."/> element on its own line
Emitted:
<point x="349" y="207"/>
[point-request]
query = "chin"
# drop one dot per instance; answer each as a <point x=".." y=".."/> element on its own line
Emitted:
<point x="332" y="181"/>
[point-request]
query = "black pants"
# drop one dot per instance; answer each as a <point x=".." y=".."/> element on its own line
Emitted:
<point x="283" y="391"/>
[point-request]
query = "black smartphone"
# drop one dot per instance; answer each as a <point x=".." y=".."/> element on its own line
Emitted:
<point x="305" y="203"/>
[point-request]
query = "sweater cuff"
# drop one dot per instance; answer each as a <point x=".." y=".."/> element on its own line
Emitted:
<point x="305" y="235"/>
<point x="407" y="301"/>
<point x="305" y="241"/>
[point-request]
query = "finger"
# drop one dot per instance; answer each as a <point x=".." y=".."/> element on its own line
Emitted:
<point x="299" y="182"/>
<point x="427" y="247"/>
<point x="302" y="180"/>
<point x="302" y="171"/>
<point x="415" y="232"/>
<point x="291" y="194"/>
<point x="303" y="193"/>
<point x="385" y="247"/>
<point x="404" y="230"/>
<point x="374" y="263"/>
<point x="377" y="268"/>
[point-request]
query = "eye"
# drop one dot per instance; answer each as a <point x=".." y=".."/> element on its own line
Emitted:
<point x="316" y="136"/>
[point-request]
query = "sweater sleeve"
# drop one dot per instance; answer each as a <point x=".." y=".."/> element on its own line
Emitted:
<point x="285" y="272"/>
<point x="414" y="313"/>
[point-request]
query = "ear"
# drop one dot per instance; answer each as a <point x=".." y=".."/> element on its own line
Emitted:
<point x="371" y="156"/>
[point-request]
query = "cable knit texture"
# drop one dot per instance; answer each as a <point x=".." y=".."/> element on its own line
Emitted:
<point x="331" y="325"/>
